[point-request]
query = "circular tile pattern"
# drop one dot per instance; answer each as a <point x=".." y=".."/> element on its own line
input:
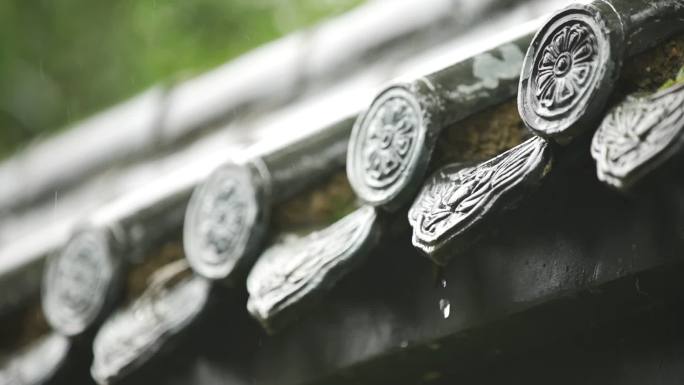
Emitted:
<point x="79" y="281"/>
<point x="569" y="71"/>
<point x="224" y="221"/>
<point x="385" y="149"/>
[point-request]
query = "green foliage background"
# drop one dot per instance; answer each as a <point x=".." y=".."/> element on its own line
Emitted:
<point x="63" y="60"/>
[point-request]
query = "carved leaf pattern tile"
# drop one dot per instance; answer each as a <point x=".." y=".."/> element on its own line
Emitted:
<point x="137" y="332"/>
<point x="37" y="363"/>
<point x="457" y="196"/>
<point x="637" y="135"/>
<point x="288" y="273"/>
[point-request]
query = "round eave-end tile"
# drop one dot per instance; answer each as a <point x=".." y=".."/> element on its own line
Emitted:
<point x="457" y="198"/>
<point x="387" y="152"/>
<point x="133" y="335"/>
<point x="638" y="135"/>
<point x="290" y="276"/>
<point x="225" y="221"/>
<point x="569" y="71"/>
<point x="80" y="282"/>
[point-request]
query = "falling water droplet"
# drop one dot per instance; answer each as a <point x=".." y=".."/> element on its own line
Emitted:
<point x="445" y="307"/>
<point x="444" y="283"/>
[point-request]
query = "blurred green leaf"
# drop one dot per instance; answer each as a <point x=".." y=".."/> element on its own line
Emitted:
<point x="61" y="61"/>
